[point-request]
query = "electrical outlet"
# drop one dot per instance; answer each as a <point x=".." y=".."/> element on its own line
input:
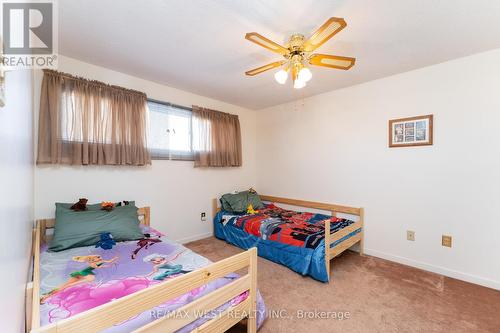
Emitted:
<point x="410" y="235"/>
<point x="203" y="216"/>
<point x="446" y="241"/>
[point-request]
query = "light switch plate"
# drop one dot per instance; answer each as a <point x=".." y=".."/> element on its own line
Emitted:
<point x="203" y="216"/>
<point x="410" y="235"/>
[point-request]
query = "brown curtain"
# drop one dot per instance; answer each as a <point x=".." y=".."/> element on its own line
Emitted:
<point x="216" y="138"/>
<point x="85" y="122"/>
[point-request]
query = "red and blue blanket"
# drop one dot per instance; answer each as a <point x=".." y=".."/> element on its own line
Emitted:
<point x="301" y="229"/>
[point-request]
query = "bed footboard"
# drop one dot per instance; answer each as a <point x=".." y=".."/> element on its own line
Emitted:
<point x="342" y="245"/>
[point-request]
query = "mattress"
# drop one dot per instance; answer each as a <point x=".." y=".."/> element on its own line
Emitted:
<point x="79" y="279"/>
<point x="291" y="238"/>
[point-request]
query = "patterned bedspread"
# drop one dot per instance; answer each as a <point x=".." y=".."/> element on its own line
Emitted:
<point x="79" y="279"/>
<point x="301" y="229"/>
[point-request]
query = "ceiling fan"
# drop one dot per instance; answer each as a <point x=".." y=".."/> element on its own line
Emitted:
<point x="298" y="53"/>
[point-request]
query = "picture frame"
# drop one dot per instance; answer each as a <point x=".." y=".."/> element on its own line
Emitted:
<point x="411" y="132"/>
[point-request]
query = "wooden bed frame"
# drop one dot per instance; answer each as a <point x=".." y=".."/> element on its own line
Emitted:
<point x="330" y="238"/>
<point x="109" y="314"/>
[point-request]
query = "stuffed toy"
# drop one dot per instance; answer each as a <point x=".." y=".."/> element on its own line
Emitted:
<point x="107" y="206"/>
<point x="106" y="241"/>
<point x="81" y="205"/>
<point x="251" y="211"/>
<point x="145" y="243"/>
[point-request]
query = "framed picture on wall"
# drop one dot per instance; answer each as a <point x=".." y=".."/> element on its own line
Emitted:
<point x="409" y="132"/>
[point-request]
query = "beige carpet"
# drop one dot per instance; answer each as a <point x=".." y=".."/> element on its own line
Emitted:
<point x="380" y="296"/>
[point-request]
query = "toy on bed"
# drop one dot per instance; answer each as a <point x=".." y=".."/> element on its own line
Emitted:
<point x="81" y="205"/>
<point x="251" y="211"/>
<point x="145" y="243"/>
<point x="107" y="206"/>
<point x="106" y="241"/>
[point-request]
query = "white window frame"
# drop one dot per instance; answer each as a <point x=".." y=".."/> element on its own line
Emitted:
<point x="167" y="154"/>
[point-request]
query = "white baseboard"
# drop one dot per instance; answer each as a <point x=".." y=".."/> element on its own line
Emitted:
<point x="436" y="269"/>
<point x="193" y="238"/>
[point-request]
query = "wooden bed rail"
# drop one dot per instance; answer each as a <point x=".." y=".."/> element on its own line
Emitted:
<point x="300" y="203"/>
<point x="313" y="204"/>
<point x="117" y="311"/>
<point x="109" y="314"/>
<point x="330" y="238"/>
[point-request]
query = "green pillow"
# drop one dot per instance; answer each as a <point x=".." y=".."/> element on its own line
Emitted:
<point x="74" y="229"/>
<point x="238" y="203"/>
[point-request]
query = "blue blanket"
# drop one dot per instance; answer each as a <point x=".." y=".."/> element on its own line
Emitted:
<point x="301" y="259"/>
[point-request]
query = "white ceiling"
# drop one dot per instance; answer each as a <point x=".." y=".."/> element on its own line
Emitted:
<point x="199" y="45"/>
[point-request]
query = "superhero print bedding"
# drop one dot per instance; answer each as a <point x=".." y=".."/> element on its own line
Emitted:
<point x="294" y="239"/>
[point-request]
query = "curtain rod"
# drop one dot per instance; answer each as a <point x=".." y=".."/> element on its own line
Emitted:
<point x="90" y="81"/>
<point x="170" y="104"/>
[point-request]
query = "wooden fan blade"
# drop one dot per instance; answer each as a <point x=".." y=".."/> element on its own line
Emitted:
<point x="266" y="43"/>
<point x="332" y="26"/>
<point x="332" y="61"/>
<point x="264" y="68"/>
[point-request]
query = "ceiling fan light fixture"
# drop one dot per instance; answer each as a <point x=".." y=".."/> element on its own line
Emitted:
<point x="281" y="76"/>
<point x="305" y="74"/>
<point x="299" y="84"/>
<point x="297" y="54"/>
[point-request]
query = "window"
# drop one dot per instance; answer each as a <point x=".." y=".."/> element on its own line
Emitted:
<point x="92" y="129"/>
<point x="170" y="131"/>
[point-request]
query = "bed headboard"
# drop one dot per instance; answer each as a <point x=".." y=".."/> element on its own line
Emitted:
<point x="46" y="224"/>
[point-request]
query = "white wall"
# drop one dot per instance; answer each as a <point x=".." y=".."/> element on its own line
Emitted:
<point x="333" y="147"/>
<point x="175" y="190"/>
<point x="16" y="197"/>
